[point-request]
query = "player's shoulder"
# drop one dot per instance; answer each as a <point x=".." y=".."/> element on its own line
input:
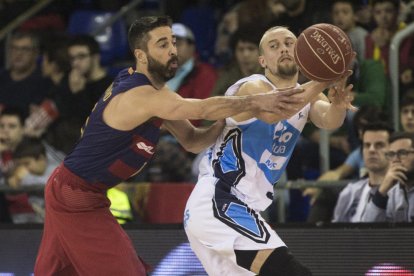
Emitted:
<point x="254" y="85"/>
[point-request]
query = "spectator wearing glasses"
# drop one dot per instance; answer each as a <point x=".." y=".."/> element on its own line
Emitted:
<point x="394" y="200"/>
<point x="22" y="83"/>
<point x="77" y="92"/>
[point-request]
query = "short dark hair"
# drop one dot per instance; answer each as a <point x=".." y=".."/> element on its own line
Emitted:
<point x="56" y="50"/>
<point x="352" y="3"/>
<point x="28" y="34"/>
<point x="377" y="126"/>
<point x="246" y="33"/>
<point x="395" y="3"/>
<point x="14" y="111"/>
<point x="85" y="40"/>
<point x="30" y="147"/>
<point x="407" y="99"/>
<point x="402" y="135"/>
<point x="369" y="113"/>
<point x="138" y="32"/>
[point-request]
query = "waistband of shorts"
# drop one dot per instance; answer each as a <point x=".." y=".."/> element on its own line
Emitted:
<point x="78" y="181"/>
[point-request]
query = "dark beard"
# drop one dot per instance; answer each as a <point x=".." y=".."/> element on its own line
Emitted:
<point x="159" y="71"/>
<point x="287" y="71"/>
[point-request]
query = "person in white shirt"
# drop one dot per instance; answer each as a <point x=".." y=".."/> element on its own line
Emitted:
<point x="354" y="198"/>
<point x="394" y="200"/>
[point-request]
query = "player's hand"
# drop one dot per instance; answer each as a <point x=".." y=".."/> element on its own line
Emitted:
<point x="283" y="102"/>
<point x="342" y="97"/>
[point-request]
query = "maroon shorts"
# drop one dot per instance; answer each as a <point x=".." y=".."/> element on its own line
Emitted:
<point x="81" y="236"/>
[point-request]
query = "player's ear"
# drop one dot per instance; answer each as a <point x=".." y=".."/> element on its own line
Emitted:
<point x="140" y="56"/>
<point x="262" y="62"/>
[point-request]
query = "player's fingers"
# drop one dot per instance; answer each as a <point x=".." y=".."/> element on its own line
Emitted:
<point x="352" y="108"/>
<point x="349" y="87"/>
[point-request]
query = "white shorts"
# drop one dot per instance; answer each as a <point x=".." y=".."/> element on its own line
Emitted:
<point x="217" y="227"/>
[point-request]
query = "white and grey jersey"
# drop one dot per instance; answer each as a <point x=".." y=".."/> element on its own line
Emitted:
<point x="249" y="157"/>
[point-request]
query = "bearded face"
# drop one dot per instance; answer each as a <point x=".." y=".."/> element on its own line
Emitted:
<point x="287" y="70"/>
<point x="160" y="71"/>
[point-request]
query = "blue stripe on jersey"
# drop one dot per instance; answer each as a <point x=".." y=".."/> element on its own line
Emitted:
<point x="229" y="164"/>
<point x="239" y="214"/>
<point x="270" y="145"/>
<point x="228" y="161"/>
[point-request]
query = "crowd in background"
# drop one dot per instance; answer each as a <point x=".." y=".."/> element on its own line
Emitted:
<point x="50" y="79"/>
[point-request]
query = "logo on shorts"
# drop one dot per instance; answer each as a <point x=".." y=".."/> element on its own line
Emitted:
<point x="186" y="217"/>
<point x="143" y="146"/>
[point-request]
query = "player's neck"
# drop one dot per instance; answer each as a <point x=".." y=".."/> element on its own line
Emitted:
<point x="282" y="82"/>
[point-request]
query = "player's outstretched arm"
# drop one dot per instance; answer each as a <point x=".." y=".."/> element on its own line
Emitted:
<point x="330" y="113"/>
<point x="194" y="139"/>
<point x="311" y="90"/>
<point x="171" y="106"/>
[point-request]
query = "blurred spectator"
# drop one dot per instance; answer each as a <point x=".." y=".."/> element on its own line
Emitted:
<point x="343" y="16"/>
<point x="300" y="14"/>
<point x="75" y="95"/>
<point x="354" y="165"/>
<point x="394" y="200"/>
<point x="55" y="66"/>
<point x="88" y="78"/>
<point x="22" y="84"/>
<point x="194" y="79"/>
<point x="244" y="44"/>
<point x="364" y="15"/>
<point x="11" y="134"/>
<point x="323" y="200"/>
<point x="355" y="196"/>
<point x="35" y="162"/>
<point x="407" y="111"/>
<point x="15" y="173"/>
<point x="245" y="13"/>
<point x="385" y="13"/>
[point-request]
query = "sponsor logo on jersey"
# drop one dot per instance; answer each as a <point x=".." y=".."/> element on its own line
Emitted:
<point x="144" y="147"/>
<point x="270" y="161"/>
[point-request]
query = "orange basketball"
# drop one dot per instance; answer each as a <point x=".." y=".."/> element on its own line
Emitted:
<point x="323" y="52"/>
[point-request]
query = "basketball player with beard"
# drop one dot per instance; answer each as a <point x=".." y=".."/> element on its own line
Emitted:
<point x="81" y="237"/>
<point x="238" y="173"/>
